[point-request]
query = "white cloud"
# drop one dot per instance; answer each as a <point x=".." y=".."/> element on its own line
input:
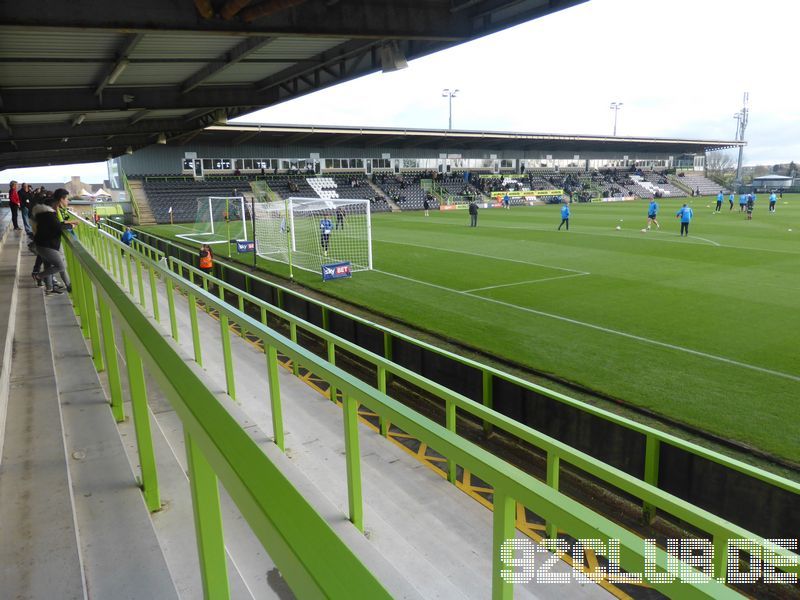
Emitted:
<point x="680" y="69"/>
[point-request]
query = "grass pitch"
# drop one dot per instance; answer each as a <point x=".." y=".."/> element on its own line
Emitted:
<point x="700" y="329"/>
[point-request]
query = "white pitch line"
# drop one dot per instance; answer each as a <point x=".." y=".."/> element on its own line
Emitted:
<point x="631" y="336"/>
<point x="514" y="260"/>
<point x="494" y="287"/>
<point x="665" y="238"/>
<point x="706" y="240"/>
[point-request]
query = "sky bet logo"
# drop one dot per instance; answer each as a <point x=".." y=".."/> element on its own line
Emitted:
<point x="336" y="271"/>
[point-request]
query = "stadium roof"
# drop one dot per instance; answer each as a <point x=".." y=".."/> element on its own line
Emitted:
<point x="83" y="80"/>
<point x="322" y="136"/>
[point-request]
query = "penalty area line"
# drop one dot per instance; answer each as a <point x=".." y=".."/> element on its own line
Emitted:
<point x="616" y="332"/>
<point x="502" y="285"/>
<point x="514" y="260"/>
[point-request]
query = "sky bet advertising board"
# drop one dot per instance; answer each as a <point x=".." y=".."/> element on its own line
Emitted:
<point x="336" y="271"/>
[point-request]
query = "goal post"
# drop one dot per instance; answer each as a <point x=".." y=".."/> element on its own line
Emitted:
<point x="218" y="219"/>
<point x="309" y="232"/>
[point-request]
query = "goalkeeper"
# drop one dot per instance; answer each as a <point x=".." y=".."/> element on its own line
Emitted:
<point x="325" y="227"/>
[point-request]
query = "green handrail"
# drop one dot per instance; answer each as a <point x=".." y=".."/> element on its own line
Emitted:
<point x="720" y="530"/>
<point x="315" y="562"/>
<point x="651" y="496"/>
<point x="490" y="373"/>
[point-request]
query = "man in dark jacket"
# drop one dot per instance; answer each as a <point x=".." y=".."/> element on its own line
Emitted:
<point x="473" y="214"/>
<point x="47" y="240"/>
<point x="25" y="200"/>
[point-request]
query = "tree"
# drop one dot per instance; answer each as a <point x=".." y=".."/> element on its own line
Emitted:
<point x="720" y="162"/>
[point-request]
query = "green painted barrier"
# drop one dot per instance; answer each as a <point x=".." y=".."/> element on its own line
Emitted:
<point x="510" y="484"/>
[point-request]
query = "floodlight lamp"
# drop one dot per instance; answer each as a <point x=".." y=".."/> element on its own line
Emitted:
<point x="129" y="150"/>
<point x="162" y="138"/>
<point x="121" y="65"/>
<point x="392" y="58"/>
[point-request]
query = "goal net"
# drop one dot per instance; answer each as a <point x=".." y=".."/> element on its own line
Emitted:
<point x="218" y="220"/>
<point x="310" y="232"/>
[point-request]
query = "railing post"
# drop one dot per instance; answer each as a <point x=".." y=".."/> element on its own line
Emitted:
<point x="505" y="512"/>
<point x="387" y="345"/>
<point x="207" y="523"/>
<point x="488" y="399"/>
<point x="383" y="422"/>
<point x="326" y="318"/>
<point x="173" y="323"/>
<point x="110" y="251"/>
<point x="332" y="360"/>
<point x="112" y="362"/>
<point x="154" y="293"/>
<point x="553" y="467"/>
<point x="141" y="281"/>
<point x="118" y="256"/>
<point x="241" y="302"/>
<point x="652" y="451"/>
<point x="198" y="351"/>
<point x="720" y="541"/>
<point x="226" y="354"/>
<point x="141" y="421"/>
<point x="275" y="395"/>
<point x="353" y="460"/>
<point x="450" y="424"/>
<point x="79" y="293"/>
<point x="130" y="270"/>
<point x="293" y="337"/>
<point x="91" y="317"/>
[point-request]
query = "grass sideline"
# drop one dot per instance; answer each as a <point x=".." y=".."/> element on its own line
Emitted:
<point x="699" y="329"/>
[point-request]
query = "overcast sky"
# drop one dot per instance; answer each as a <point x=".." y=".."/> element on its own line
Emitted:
<point x="679" y="68"/>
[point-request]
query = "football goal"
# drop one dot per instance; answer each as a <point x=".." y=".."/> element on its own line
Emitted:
<point x="309" y="232"/>
<point x="218" y="220"/>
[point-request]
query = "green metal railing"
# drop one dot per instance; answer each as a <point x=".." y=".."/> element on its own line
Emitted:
<point x="654" y="438"/>
<point x="312" y="559"/>
<point x="651" y="497"/>
<point x="444" y="439"/>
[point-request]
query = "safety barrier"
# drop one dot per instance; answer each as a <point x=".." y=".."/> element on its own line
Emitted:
<point x="642" y="452"/>
<point x="559" y="512"/>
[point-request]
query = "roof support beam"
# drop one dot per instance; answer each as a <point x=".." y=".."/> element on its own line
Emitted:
<point x="129" y="43"/>
<point x="80" y="100"/>
<point x="225" y="60"/>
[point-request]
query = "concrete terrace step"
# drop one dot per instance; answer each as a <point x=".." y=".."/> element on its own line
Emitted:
<point x="39" y="555"/>
<point x="121" y="554"/>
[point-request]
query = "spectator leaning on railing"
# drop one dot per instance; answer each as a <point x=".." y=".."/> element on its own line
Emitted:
<point x="47" y="240"/>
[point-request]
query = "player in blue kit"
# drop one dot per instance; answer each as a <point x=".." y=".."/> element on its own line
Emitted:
<point x="652" y="213"/>
<point x="325" y="228"/>
<point x="720" y="198"/>
<point x="730" y="201"/>
<point x="772" y="200"/>
<point x="564" y="216"/>
<point x="742" y="202"/>
<point x="685" y="214"/>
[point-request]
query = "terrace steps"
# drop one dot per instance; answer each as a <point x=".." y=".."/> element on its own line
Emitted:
<point x="146" y="216"/>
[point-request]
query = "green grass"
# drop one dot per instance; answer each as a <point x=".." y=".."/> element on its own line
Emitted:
<point x="702" y="330"/>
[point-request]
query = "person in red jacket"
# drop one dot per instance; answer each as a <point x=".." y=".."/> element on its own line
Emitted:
<point x="14" y="203"/>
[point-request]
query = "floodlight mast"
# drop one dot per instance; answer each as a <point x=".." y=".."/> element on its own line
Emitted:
<point x="741" y="123"/>
<point x="449" y="94"/>
<point x="615" y="106"/>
